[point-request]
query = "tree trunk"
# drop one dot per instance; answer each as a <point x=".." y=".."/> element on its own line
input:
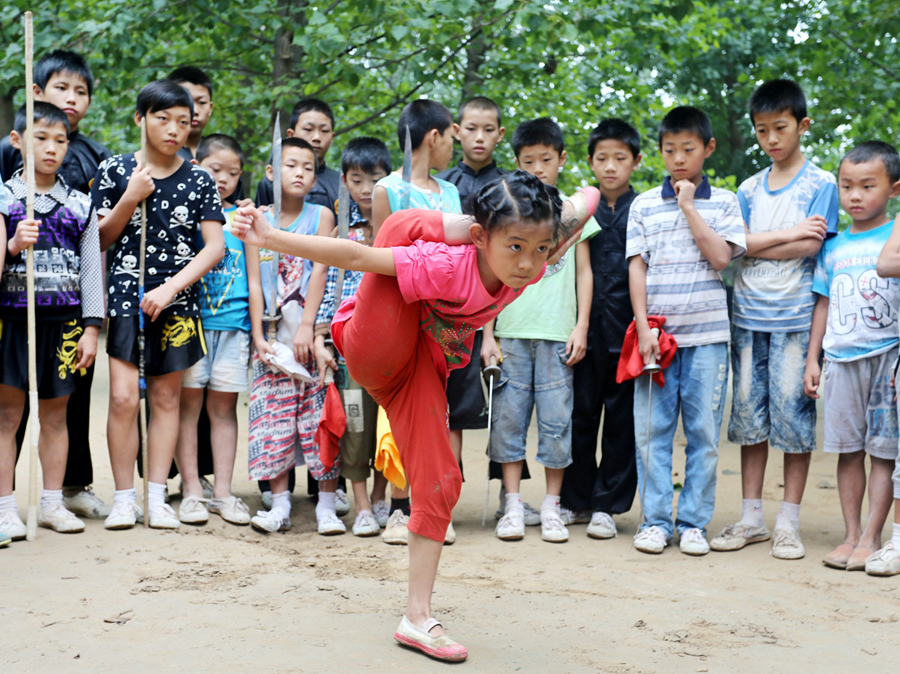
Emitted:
<point x="287" y="56"/>
<point x="473" y="80"/>
<point x="7" y="112"/>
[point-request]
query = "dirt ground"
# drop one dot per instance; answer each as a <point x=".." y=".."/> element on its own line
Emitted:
<point x="220" y="598"/>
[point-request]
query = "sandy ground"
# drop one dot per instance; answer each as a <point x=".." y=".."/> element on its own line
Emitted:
<point x="220" y="598"/>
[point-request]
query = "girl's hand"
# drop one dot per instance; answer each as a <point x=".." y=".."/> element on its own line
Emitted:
<point x="263" y="348"/>
<point x="156" y="300"/>
<point x="489" y="348"/>
<point x="250" y="225"/>
<point x="304" y="344"/>
<point x="576" y="347"/>
<point x="87" y="347"/>
<point x="27" y="232"/>
<point x="325" y="359"/>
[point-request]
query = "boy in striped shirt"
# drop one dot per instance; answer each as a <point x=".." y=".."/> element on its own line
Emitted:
<point x="680" y="236"/>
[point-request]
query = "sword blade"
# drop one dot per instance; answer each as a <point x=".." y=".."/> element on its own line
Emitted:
<point x="407" y="172"/>
<point x="276" y="217"/>
<point x="343" y="233"/>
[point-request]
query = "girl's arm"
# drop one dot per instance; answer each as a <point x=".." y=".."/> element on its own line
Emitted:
<point x="889" y="261"/>
<point x="489" y="345"/>
<point x="304" y="340"/>
<point x="381" y="209"/>
<point x="256" y="301"/>
<point x="250" y="226"/>
<point x="576" y="348"/>
<point x="140" y="186"/>
<point x="814" y="355"/>
<point x="209" y="256"/>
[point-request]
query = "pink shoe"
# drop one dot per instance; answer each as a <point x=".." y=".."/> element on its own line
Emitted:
<point x="441" y="647"/>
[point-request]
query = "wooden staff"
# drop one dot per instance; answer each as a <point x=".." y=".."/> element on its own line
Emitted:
<point x="142" y="378"/>
<point x="33" y="422"/>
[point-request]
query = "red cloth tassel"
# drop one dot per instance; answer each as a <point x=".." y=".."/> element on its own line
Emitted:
<point x="631" y="363"/>
<point x="331" y="427"/>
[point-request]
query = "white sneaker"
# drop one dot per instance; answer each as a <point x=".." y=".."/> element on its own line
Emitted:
<point x="552" y="528"/>
<point x="329" y="523"/>
<point x="270" y="521"/>
<point x="267" y="500"/>
<point x="124" y="515"/>
<point x="693" y="542"/>
<point x="192" y="511"/>
<point x="59" y="519"/>
<point x="163" y="517"/>
<point x="602" y="526"/>
<point x="12" y="525"/>
<point x="736" y="536"/>
<point x="231" y="509"/>
<point x="651" y="540"/>
<point x="511" y="526"/>
<point x="450" y="536"/>
<point x="885" y="562"/>
<point x="396" y="531"/>
<point x="574" y="516"/>
<point x="382" y="511"/>
<point x="366" y="524"/>
<point x="787" y="544"/>
<point x="341" y="502"/>
<point x="85" y="503"/>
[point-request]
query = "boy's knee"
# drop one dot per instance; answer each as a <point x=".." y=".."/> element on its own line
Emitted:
<point x="123" y="401"/>
<point x="52" y="413"/>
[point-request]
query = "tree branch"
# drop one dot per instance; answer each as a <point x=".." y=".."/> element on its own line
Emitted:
<point x="859" y="52"/>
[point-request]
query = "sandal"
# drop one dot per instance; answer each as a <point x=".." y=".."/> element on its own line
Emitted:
<point x="857" y="561"/>
<point x="837" y="558"/>
<point x="441" y="647"/>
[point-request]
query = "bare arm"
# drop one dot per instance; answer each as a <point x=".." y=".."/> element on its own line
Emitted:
<point x="257" y="304"/>
<point x="381" y="209"/>
<point x="814" y="354"/>
<point x="584" y="291"/>
<point x="140" y="186"/>
<point x="802" y="240"/>
<point x="637" y="286"/>
<point x="889" y="261"/>
<point x="304" y="340"/>
<point x="489" y="346"/>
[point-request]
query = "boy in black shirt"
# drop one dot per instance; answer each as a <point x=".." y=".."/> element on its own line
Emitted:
<point x="592" y="494"/>
<point x="181" y="199"/>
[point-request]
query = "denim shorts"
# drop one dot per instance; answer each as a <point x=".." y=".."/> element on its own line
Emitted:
<point x="769" y="402"/>
<point x="226" y="365"/>
<point x="534" y="376"/>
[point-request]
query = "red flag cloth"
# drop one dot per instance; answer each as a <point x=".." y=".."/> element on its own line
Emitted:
<point x="331" y="427"/>
<point x="631" y="363"/>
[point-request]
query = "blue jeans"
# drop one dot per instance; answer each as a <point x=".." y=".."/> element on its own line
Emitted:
<point x="534" y="376"/>
<point x="696" y="383"/>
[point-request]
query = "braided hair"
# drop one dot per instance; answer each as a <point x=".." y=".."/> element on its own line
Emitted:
<point x="519" y="197"/>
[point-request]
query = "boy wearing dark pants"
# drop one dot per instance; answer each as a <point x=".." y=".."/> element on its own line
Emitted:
<point x="614" y="151"/>
<point x="68" y="307"/>
<point x="788" y="208"/>
<point x="64" y="79"/>
<point x="680" y="236"/>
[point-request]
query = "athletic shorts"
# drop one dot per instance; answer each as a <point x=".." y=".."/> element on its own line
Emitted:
<point x="56" y="352"/>
<point x="226" y="365"/>
<point x="465" y="397"/>
<point x="173" y="343"/>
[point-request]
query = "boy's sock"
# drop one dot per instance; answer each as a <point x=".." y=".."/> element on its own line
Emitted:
<point x="514" y="502"/>
<point x="895" y="539"/>
<point x="326" y="501"/>
<point x="550" y="503"/>
<point x="8" y="503"/>
<point x="400" y="504"/>
<point x="156" y="495"/>
<point x="752" y="515"/>
<point x="125" y="496"/>
<point x="788" y="516"/>
<point x="282" y="503"/>
<point x="50" y="497"/>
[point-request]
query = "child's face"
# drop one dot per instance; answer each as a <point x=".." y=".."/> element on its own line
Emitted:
<point x="612" y="164"/>
<point x="684" y="154"/>
<point x="479" y="133"/>
<point x="202" y="107"/>
<point x="442" y="151"/>
<point x="865" y="190"/>
<point x="315" y="128"/>
<point x="225" y="168"/>
<point x="517" y="253"/>
<point x="298" y="171"/>
<point x="542" y="161"/>
<point x="167" y="130"/>
<point x="50" y="145"/>
<point x="361" y="185"/>
<point x="68" y="92"/>
<point x="779" y="133"/>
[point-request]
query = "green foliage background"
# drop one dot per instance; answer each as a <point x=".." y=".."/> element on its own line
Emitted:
<point x="574" y="60"/>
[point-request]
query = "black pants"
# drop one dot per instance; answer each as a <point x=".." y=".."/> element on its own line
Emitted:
<point x="611" y="487"/>
<point x="79" y="468"/>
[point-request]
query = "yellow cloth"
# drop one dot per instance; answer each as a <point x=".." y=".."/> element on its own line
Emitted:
<point x="387" y="456"/>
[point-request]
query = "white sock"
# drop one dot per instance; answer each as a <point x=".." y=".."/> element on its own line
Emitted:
<point x="282" y="503"/>
<point x="550" y="503"/>
<point x="8" y="503"/>
<point x="788" y="516"/>
<point x="125" y="496"/>
<point x="753" y="514"/>
<point x="326" y="502"/>
<point x="895" y="539"/>
<point x="50" y="497"/>
<point x="514" y="502"/>
<point x="156" y="495"/>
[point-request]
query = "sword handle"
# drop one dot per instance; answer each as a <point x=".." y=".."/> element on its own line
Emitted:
<point x="653" y="366"/>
